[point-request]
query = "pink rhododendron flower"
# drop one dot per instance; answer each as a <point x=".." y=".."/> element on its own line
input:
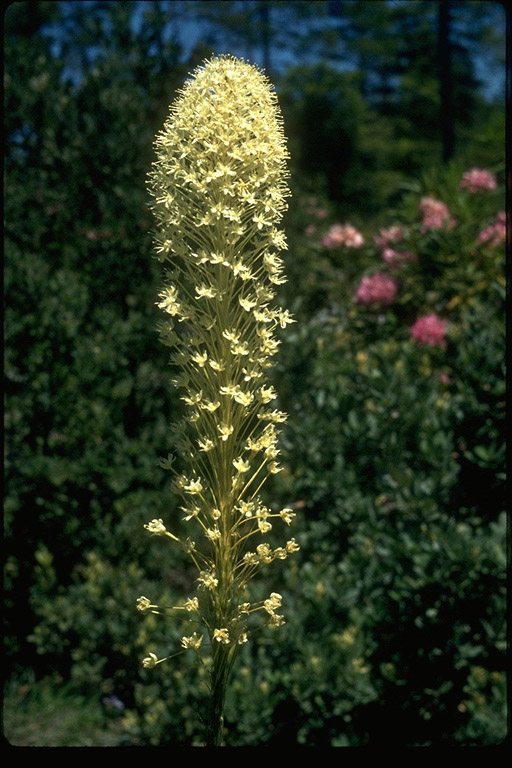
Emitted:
<point x="321" y="213"/>
<point x="310" y="230"/>
<point x="397" y="258"/>
<point x="477" y="179"/>
<point x="496" y="233"/>
<point x="435" y="214"/>
<point x="391" y="235"/>
<point x="429" y="330"/>
<point x="376" y="289"/>
<point x="345" y="234"/>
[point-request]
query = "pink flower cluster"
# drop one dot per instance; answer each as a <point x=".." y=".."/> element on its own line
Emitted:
<point x="385" y="237"/>
<point x="319" y="212"/>
<point x="390" y="256"/>
<point x="376" y="289"/>
<point x="345" y="234"/>
<point x="429" y="330"/>
<point x="477" y="179"/>
<point x="435" y="214"/>
<point x="496" y="233"/>
<point x="397" y="258"/>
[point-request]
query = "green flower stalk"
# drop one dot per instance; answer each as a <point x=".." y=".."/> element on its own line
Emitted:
<point x="219" y="192"/>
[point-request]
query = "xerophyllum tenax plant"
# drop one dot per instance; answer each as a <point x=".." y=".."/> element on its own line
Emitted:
<point x="219" y="192"/>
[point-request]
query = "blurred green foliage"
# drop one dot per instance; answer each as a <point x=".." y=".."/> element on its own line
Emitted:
<point x="394" y="452"/>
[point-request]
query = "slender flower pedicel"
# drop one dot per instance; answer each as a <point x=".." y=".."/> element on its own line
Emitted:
<point x="219" y="192"/>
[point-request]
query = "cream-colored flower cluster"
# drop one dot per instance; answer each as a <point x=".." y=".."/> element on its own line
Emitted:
<point x="219" y="192"/>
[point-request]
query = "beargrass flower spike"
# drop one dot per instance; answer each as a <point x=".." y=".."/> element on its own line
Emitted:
<point x="219" y="192"/>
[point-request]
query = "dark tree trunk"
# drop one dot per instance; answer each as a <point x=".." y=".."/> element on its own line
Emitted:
<point x="265" y="34"/>
<point x="445" y="80"/>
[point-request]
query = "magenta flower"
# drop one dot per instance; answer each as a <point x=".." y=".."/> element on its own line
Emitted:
<point x="393" y="234"/>
<point x="435" y="214"/>
<point x="496" y="233"/>
<point x="376" y="289"/>
<point x="477" y="179"/>
<point x="345" y="234"/>
<point x="429" y="330"/>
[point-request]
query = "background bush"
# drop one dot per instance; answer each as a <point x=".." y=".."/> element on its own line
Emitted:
<point x="394" y="452"/>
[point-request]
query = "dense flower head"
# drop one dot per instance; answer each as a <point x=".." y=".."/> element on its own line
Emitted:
<point x="435" y="214"/>
<point x="495" y="233"/>
<point x="429" y="330"/>
<point x="478" y="179"/>
<point x="220" y="160"/>
<point x="342" y="234"/>
<point x="378" y="288"/>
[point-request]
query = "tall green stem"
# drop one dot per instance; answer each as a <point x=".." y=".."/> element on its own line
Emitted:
<point x="219" y="681"/>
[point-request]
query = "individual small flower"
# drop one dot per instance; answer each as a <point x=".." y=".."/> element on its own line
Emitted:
<point x="212" y="533"/>
<point x="193" y="398"/>
<point x="285" y="318"/>
<point x="144" y="604"/>
<point x="429" y="330"/>
<point x="292" y="546"/>
<point x="225" y="430"/>
<point x="247" y="508"/>
<point x="205" y="292"/>
<point x="264" y="526"/>
<point x="478" y="179"/>
<point x="200" y="358"/>
<point x="274" y="601"/>
<point x="266" y="394"/>
<point x="435" y="214"/>
<point x="210" y="405"/>
<point x="247" y="304"/>
<point x="194" y="487"/>
<point x="376" y="289"/>
<point x="287" y="515"/>
<point x="156" y="527"/>
<point x="191" y="604"/>
<point x="243" y="638"/>
<point x="192" y="641"/>
<point x="393" y="234"/>
<point x="241" y="465"/>
<point x="150" y="661"/>
<point x="339" y="235"/>
<point x="264" y="552"/>
<point x="244" y="398"/>
<point x="221" y="636"/>
<point x="208" y="580"/>
<point x="190" y="512"/>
